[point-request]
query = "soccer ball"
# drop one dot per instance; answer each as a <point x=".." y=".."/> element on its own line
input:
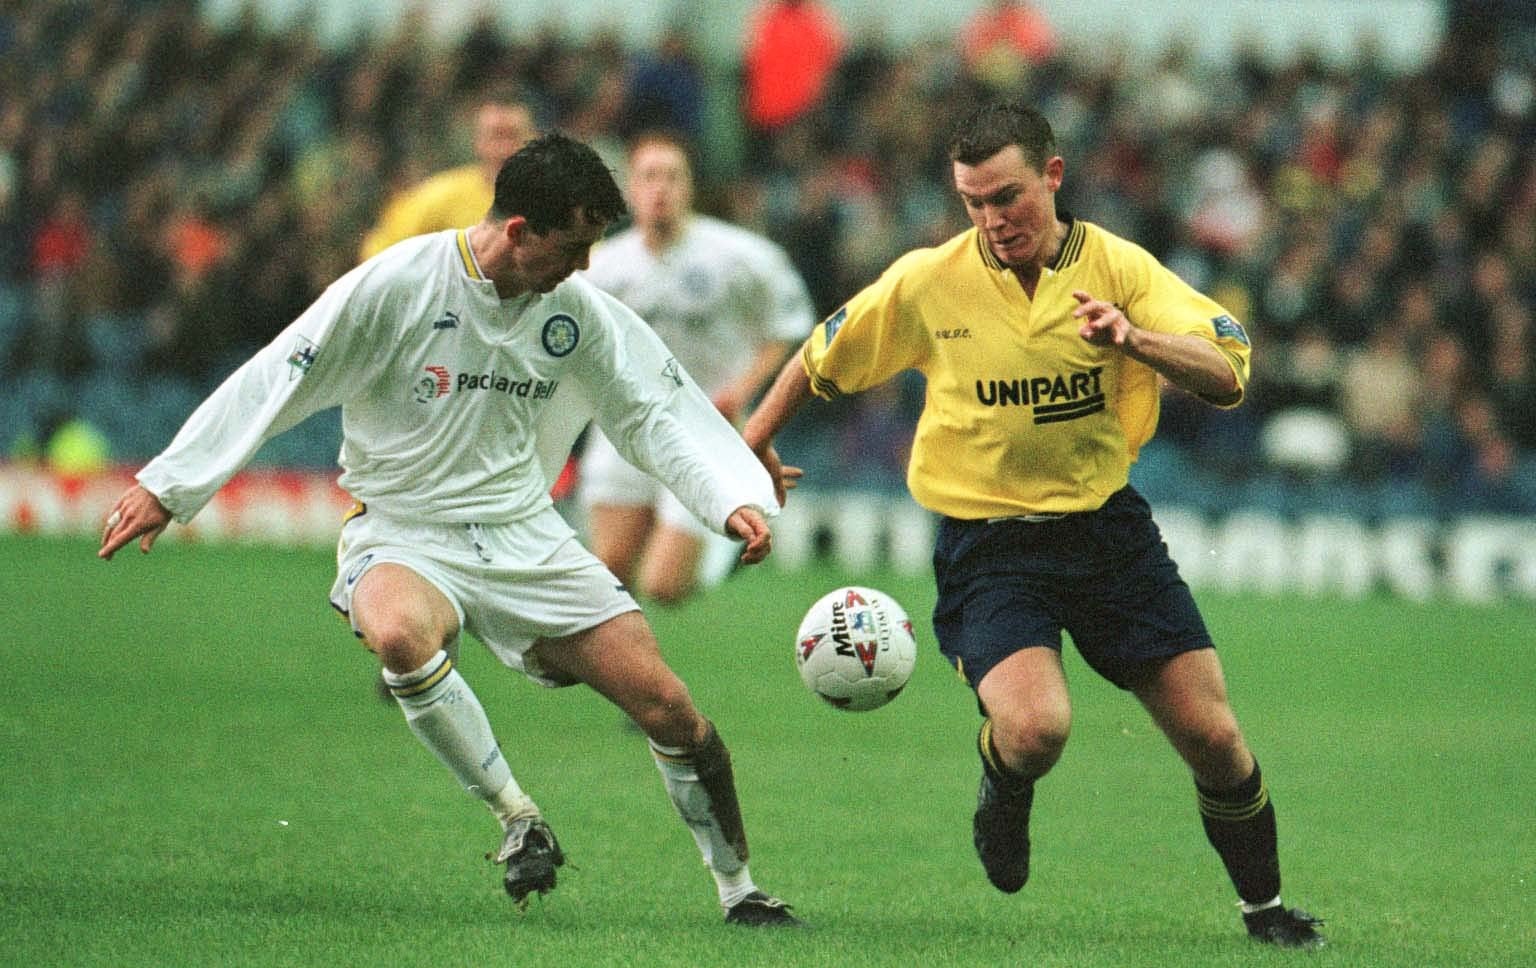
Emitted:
<point x="855" y="648"/>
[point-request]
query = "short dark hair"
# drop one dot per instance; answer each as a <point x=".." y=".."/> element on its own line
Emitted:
<point x="550" y="178"/>
<point x="996" y="125"/>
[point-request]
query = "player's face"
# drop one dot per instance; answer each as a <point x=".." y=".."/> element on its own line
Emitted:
<point x="542" y="262"/>
<point x="1013" y="203"/>
<point x="500" y="130"/>
<point x="660" y="185"/>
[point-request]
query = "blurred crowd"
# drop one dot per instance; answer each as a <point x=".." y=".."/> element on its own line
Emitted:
<point x="172" y="194"/>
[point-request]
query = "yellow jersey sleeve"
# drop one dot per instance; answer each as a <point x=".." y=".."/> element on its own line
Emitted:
<point x="868" y="341"/>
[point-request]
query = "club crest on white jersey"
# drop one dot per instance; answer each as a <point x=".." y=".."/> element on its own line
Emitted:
<point x="560" y="334"/>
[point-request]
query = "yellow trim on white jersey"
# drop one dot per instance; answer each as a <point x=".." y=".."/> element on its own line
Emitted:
<point x="471" y="267"/>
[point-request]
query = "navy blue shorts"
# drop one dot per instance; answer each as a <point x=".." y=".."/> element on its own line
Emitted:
<point x="1103" y="576"/>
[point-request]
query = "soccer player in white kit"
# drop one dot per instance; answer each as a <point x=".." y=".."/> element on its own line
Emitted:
<point x="465" y="363"/>
<point x="730" y="305"/>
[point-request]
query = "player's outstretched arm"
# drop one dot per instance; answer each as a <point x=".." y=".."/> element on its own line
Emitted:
<point x="790" y="390"/>
<point x="748" y="524"/>
<point x="137" y="514"/>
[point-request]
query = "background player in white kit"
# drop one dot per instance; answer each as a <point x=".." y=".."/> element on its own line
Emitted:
<point x="465" y="363"/>
<point x="730" y="305"/>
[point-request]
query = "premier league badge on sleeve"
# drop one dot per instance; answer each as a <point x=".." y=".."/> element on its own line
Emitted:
<point x="561" y="334"/>
<point x="835" y="323"/>
<point x="302" y="358"/>
<point x="1229" y="328"/>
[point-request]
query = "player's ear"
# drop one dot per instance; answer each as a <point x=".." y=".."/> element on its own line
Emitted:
<point x="1055" y="168"/>
<point x="515" y="229"/>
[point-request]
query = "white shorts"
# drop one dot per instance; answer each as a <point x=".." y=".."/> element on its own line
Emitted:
<point x="607" y="478"/>
<point x="511" y="584"/>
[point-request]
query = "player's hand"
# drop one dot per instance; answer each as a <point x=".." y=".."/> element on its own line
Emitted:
<point x="137" y="514"/>
<point x="784" y="477"/>
<point x="748" y="524"/>
<point x="1103" y="324"/>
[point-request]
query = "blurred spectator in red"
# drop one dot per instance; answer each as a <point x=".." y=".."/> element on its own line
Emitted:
<point x="1321" y="152"/>
<point x="193" y="241"/>
<point x="1000" y="42"/>
<point x="63" y="238"/>
<point x="60" y="244"/>
<point x="792" y="48"/>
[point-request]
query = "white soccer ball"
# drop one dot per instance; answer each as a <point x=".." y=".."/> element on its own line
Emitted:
<point x="855" y="648"/>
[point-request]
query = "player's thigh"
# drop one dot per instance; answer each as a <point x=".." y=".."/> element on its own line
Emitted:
<point x="1187" y="698"/>
<point x="620" y="659"/>
<point x="671" y="566"/>
<point x="618" y="533"/>
<point x="402" y="616"/>
<point x="1026" y="697"/>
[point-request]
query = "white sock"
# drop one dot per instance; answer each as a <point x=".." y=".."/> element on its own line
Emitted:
<point x="733" y="887"/>
<point x="732" y="879"/>
<point x="511" y="804"/>
<point x="1247" y="908"/>
<point x="447" y="717"/>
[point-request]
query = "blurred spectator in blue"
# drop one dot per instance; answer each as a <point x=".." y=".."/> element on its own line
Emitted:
<point x="873" y="442"/>
<point x="666" y="88"/>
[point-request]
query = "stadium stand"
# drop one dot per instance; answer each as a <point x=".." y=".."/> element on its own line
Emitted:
<point x="172" y="193"/>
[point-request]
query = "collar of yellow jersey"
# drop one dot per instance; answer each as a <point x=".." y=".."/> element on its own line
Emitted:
<point x="1071" y="247"/>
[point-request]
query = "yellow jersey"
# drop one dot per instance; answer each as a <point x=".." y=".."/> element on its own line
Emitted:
<point x="451" y="199"/>
<point x="1021" y="414"/>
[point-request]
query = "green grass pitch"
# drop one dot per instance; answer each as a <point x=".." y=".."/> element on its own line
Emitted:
<point x="197" y="771"/>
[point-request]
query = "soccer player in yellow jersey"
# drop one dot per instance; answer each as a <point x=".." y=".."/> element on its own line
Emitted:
<point x="458" y="197"/>
<point x="1042" y="339"/>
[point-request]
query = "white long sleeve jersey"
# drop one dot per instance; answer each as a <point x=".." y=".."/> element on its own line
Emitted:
<point x="714" y="296"/>
<point x="460" y="406"/>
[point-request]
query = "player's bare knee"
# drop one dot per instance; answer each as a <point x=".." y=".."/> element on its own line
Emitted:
<point x="1030" y="743"/>
<point x="402" y="645"/>
<point x="667" y="592"/>
<point x="1216" y="752"/>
